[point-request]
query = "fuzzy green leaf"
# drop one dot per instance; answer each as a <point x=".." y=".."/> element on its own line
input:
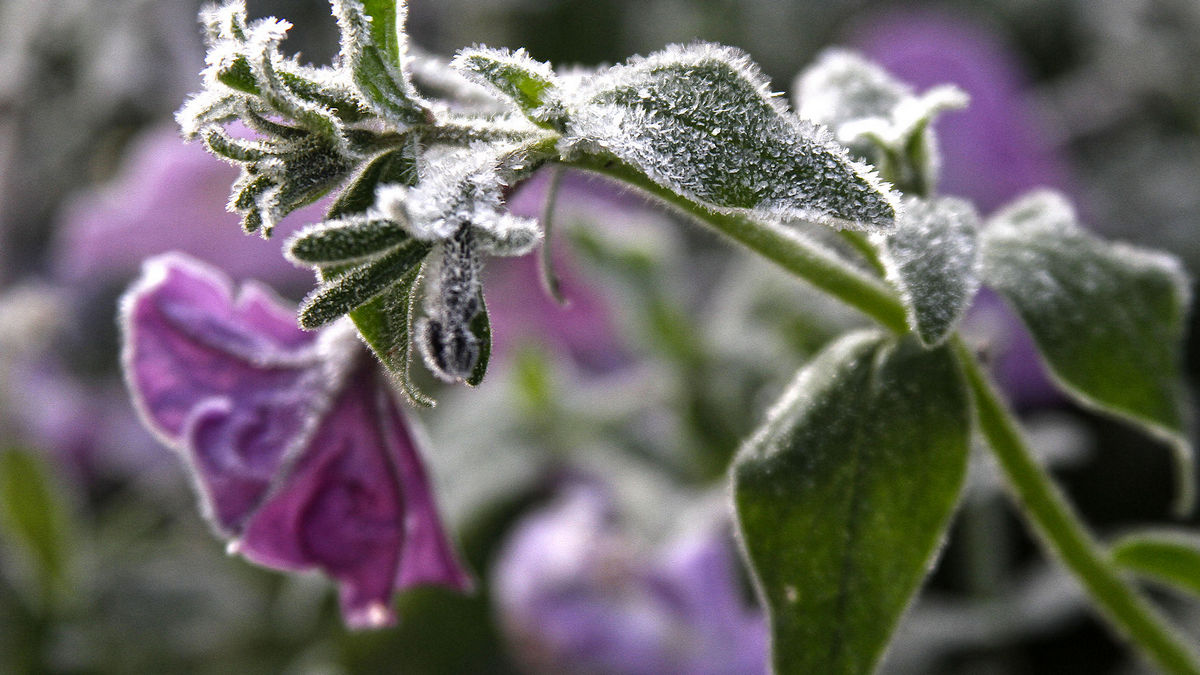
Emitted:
<point x="933" y="259"/>
<point x="337" y="242"/>
<point x="1170" y="557"/>
<point x="844" y="494"/>
<point x="385" y="323"/>
<point x="351" y="289"/>
<point x="1108" y="319"/>
<point x="514" y="75"/>
<point x="373" y="46"/>
<point x="700" y="121"/>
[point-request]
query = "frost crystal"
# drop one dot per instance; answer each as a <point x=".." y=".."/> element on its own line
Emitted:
<point x="463" y="187"/>
<point x="933" y="259"/>
<point x="880" y="118"/>
<point x="701" y="121"/>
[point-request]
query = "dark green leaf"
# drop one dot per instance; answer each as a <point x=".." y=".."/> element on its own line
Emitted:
<point x="701" y="121"/>
<point x="373" y="46"/>
<point x="1170" y="557"/>
<point x="32" y="515"/>
<point x="481" y="328"/>
<point x="933" y="259"/>
<point x="385" y="323"/>
<point x="341" y="293"/>
<point x="1108" y="318"/>
<point x="844" y="494"/>
<point x="398" y="166"/>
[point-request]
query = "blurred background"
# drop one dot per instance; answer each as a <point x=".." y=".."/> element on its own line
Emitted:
<point x="586" y="475"/>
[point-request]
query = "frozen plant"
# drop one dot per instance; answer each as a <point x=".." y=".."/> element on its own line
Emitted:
<point x="843" y="495"/>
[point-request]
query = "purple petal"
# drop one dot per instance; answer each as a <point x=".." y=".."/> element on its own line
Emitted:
<point x="225" y="381"/>
<point x="577" y="597"/>
<point x="363" y="516"/>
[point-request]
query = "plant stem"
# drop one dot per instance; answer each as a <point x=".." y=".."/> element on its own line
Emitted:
<point x="1063" y="533"/>
<point x="776" y="243"/>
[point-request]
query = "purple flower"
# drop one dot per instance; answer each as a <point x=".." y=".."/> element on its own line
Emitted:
<point x="575" y="596"/>
<point x="168" y="196"/>
<point x="298" y="451"/>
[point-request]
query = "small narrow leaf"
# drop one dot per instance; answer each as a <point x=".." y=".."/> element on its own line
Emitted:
<point x="933" y="259"/>
<point x="1170" y="557"/>
<point x="844" y="494"/>
<point x="336" y="242"/>
<point x="349" y="290"/>
<point x="700" y="120"/>
<point x="1108" y="319"/>
<point x="519" y="78"/>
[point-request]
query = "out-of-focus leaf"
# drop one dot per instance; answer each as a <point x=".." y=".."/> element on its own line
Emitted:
<point x="1171" y="557"/>
<point x="700" y="120"/>
<point x="843" y="496"/>
<point x="33" y="515"/>
<point x="1108" y="319"/>
<point x="933" y="258"/>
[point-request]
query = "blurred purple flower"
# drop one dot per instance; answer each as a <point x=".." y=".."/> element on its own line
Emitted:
<point x="575" y="598"/>
<point x="168" y="196"/>
<point x="297" y="448"/>
<point x="998" y="147"/>
<point x="519" y="308"/>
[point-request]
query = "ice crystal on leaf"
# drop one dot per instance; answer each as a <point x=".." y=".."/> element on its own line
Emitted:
<point x="701" y="121"/>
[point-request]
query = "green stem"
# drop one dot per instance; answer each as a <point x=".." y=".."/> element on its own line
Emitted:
<point x="1064" y="534"/>
<point x="776" y="243"/>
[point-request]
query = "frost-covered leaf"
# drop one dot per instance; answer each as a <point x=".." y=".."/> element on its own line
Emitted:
<point x="882" y="119"/>
<point x="337" y="242"/>
<point x="1171" y="557"/>
<point x="1108" y="318"/>
<point x="526" y="82"/>
<point x="700" y="121"/>
<point x="933" y="259"/>
<point x="373" y="52"/>
<point x="843" y="497"/>
<point x="348" y="290"/>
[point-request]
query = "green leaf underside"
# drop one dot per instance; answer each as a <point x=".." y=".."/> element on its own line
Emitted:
<point x="933" y="259"/>
<point x="514" y="75"/>
<point x="1108" y="319"/>
<point x="844" y="494"/>
<point x="700" y="121"/>
<point x="1172" y="558"/>
<point x="31" y="515"/>
<point x="386" y="19"/>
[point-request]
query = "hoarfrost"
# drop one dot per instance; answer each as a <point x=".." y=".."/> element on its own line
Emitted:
<point x="701" y="121"/>
<point x="933" y="259"/>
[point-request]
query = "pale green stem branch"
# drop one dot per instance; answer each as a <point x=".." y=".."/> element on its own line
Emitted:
<point x="868" y="294"/>
<point x="1065" y="534"/>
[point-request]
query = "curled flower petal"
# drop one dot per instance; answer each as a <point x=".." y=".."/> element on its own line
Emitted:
<point x="298" y="449"/>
